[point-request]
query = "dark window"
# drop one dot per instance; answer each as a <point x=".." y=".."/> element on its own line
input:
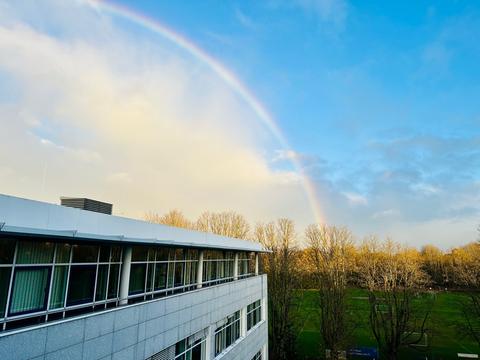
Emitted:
<point x="102" y="279"/>
<point x="7" y="249"/>
<point x="162" y="254"/>
<point x="179" y="274"/>
<point x="139" y="253"/>
<point x="161" y="276"/>
<point x="113" y="281"/>
<point x="63" y="253"/>
<point x="4" y="284"/>
<point x="104" y="253"/>
<point x="81" y="284"/>
<point x="137" y="278"/>
<point x="85" y="253"/>
<point x="116" y="254"/>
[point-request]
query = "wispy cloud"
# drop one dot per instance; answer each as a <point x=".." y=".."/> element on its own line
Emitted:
<point x="334" y="12"/>
<point x="245" y="20"/>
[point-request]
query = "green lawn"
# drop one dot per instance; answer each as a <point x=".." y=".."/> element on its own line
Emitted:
<point x="444" y="339"/>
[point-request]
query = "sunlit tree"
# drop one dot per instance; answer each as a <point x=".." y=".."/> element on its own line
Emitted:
<point x="331" y="252"/>
<point x="227" y="223"/>
<point x="280" y="263"/>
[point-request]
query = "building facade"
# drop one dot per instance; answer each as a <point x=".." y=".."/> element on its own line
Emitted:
<point x="76" y="284"/>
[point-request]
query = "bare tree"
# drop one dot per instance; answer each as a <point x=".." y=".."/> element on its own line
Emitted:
<point x="172" y="218"/>
<point x="393" y="275"/>
<point x="331" y="253"/>
<point x="466" y="267"/>
<point x="280" y="264"/>
<point x="434" y="264"/>
<point x="227" y="223"/>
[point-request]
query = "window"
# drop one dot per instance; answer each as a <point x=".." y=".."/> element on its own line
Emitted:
<point x="81" y="284"/>
<point x="45" y="279"/>
<point x="246" y="264"/>
<point x="7" y="249"/>
<point x="258" y="356"/>
<point x="227" y="333"/>
<point x="217" y="266"/>
<point x="254" y="314"/>
<point x="31" y="277"/>
<point x="30" y="290"/>
<point x="191" y="348"/>
<point x="161" y="270"/>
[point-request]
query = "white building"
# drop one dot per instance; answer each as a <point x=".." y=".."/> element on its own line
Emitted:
<point x="77" y="284"/>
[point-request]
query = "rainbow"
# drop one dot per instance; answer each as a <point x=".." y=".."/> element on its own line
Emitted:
<point x="230" y="79"/>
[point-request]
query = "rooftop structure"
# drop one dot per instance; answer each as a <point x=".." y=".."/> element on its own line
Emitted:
<point x="87" y="204"/>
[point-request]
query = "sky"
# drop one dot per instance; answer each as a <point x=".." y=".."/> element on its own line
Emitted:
<point x="369" y="113"/>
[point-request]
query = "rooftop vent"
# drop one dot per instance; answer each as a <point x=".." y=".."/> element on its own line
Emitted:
<point x="87" y="204"/>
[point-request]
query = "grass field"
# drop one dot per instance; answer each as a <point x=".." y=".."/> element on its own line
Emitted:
<point x="444" y="339"/>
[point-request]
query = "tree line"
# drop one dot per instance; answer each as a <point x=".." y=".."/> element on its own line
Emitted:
<point x="395" y="277"/>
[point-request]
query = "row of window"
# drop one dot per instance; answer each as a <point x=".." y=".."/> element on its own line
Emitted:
<point x="254" y="314"/>
<point x="154" y="270"/>
<point x="227" y="332"/>
<point x="50" y="277"/>
<point x="190" y="348"/>
<point x="43" y="280"/>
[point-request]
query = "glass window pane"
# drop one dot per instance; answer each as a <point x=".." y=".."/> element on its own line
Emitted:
<point x="137" y="278"/>
<point x="180" y="347"/>
<point x="7" y="248"/>
<point x="102" y="278"/>
<point x="30" y="290"/>
<point x="139" y="253"/>
<point x="81" y="284"/>
<point x="85" y="253"/>
<point x="150" y="268"/>
<point x="151" y="254"/>
<point x="192" y="254"/>
<point x="171" y="269"/>
<point x="116" y="254"/>
<point x="161" y="276"/>
<point x="179" y="254"/>
<point x="104" y="253"/>
<point x="63" y="253"/>
<point x="113" y="281"/>
<point x="34" y="252"/>
<point x="179" y="273"/>
<point x="162" y="254"/>
<point x="59" y="286"/>
<point x="4" y="284"/>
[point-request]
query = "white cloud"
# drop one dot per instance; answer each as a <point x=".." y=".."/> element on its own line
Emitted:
<point x="385" y="214"/>
<point x="355" y="199"/>
<point x="128" y="119"/>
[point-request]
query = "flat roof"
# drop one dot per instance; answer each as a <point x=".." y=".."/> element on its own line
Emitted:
<point x="24" y="216"/>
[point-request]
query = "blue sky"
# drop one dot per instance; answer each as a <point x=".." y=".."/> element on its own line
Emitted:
<point x="378" y="100"/>
<point x="384" y="95"/>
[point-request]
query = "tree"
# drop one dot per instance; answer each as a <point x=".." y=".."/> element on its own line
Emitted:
<point x="434" y="264"/>
<point x="227" y="223"/>
<point x="466" y="267"/>
<point x="393" y="275"/>
<point x="280" y="264"/>
<point x="172" y="218"/>
<point x="332" y="252"/>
